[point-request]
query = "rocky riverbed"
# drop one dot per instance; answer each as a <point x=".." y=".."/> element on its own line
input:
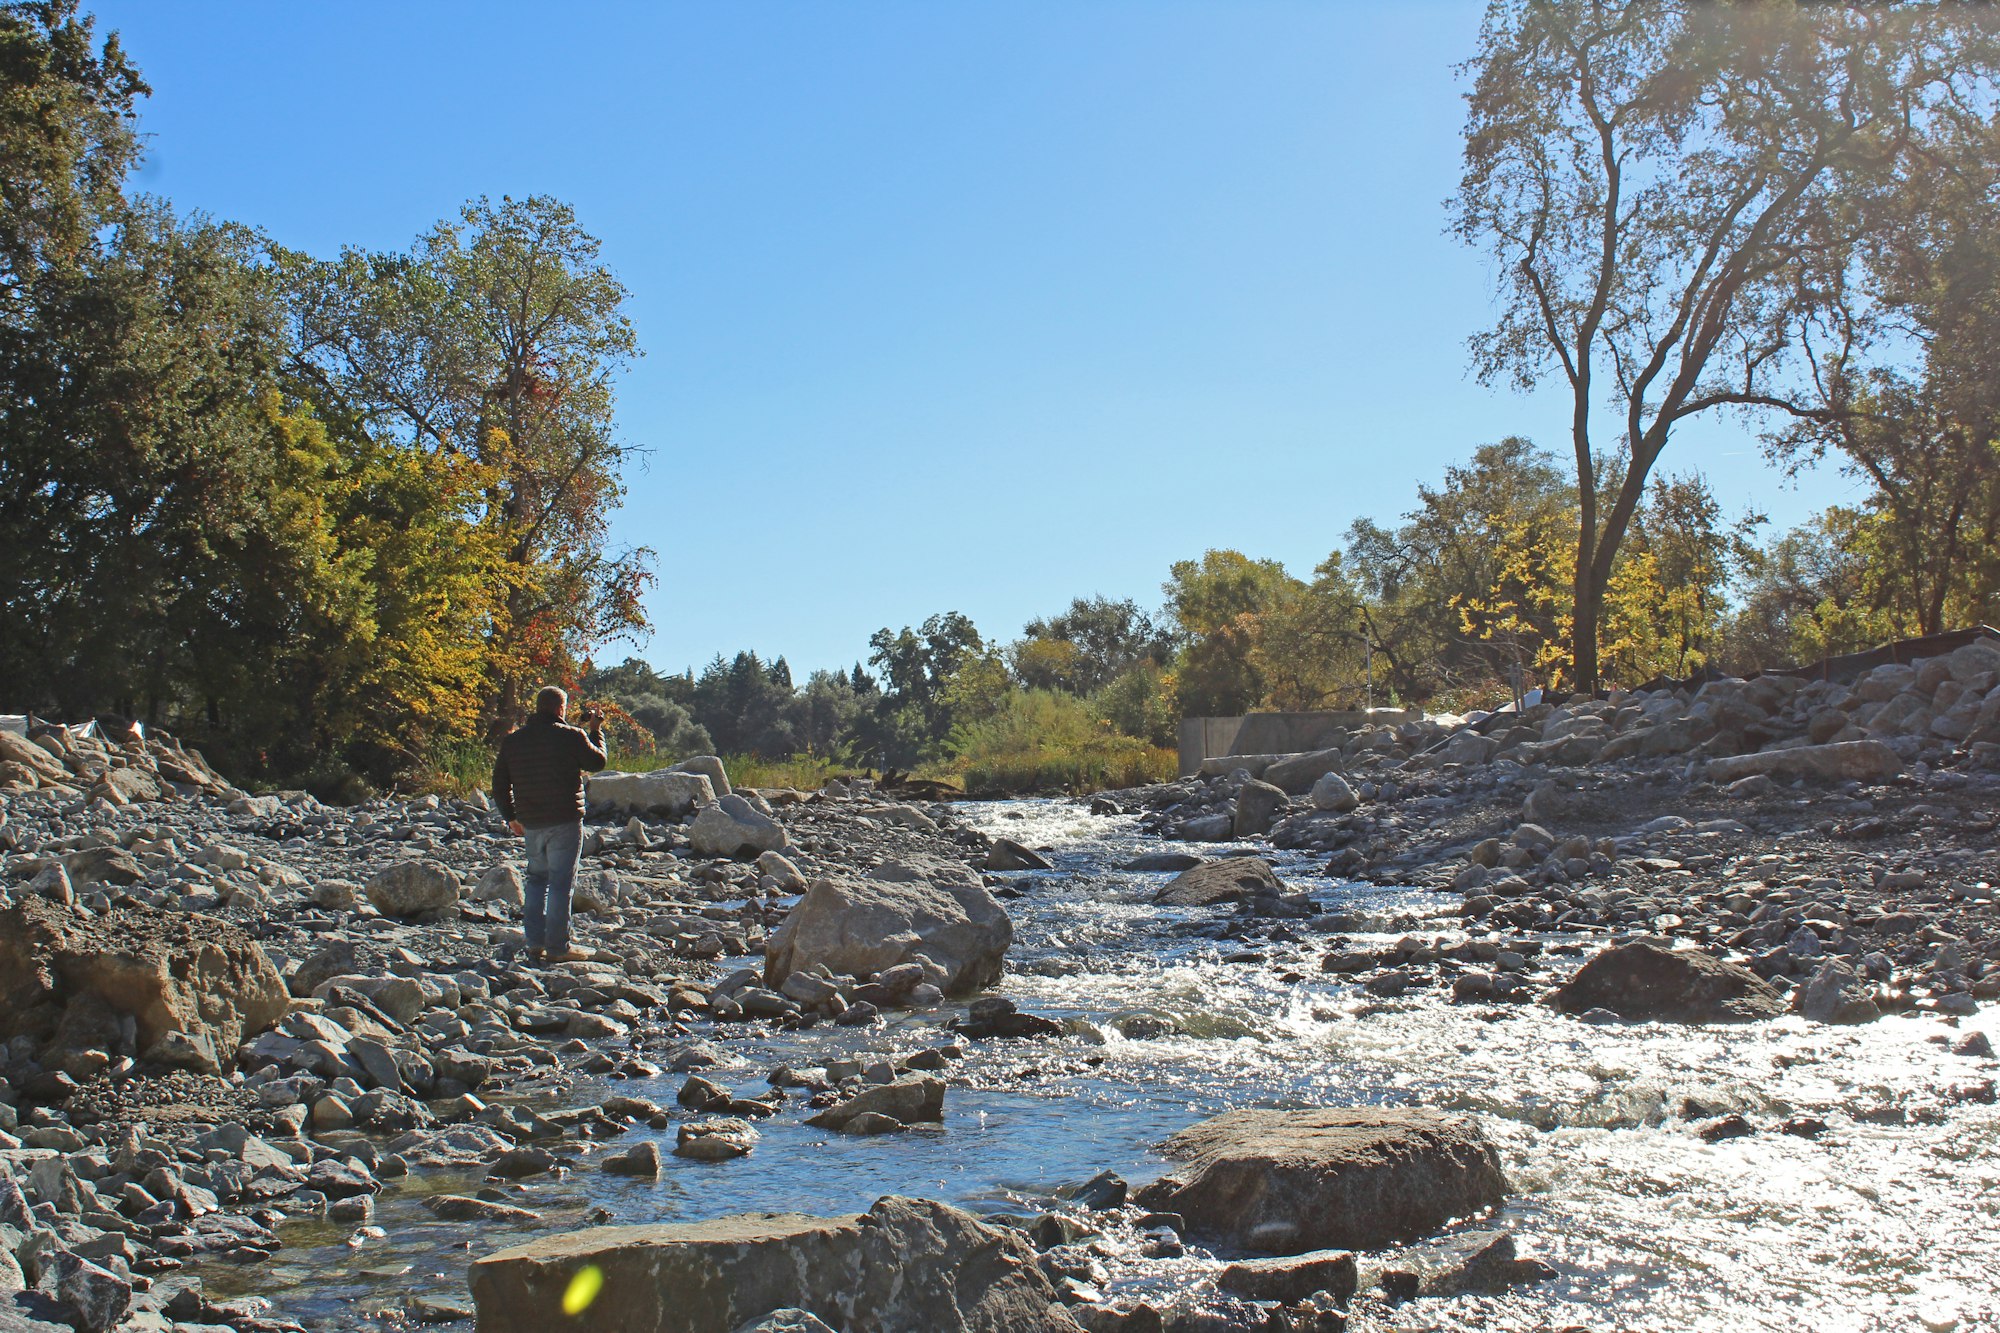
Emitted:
<point x="1701" y="1054"/>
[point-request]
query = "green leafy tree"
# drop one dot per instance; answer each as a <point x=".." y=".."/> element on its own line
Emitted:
<point x="1667" y="191"/>
<point x="1216" y="602"/>
<point x="498" y="337"/>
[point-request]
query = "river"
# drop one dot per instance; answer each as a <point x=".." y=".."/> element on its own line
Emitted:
<point x="1889" y="1220"/>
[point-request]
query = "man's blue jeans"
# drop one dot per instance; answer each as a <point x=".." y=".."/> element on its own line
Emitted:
<point x="552" y="858"/>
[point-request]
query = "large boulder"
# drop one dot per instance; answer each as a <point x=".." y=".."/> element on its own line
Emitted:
<point x="663" y="793"/>
<point x="410" y="888"/>
<point x="734" y="827"/>
<point x="1842" y="761"/>
<point x="195" y="987"/>
<point x="1006" y="854"/>
<point x="1327" y="1177"/>
<point x="1331" y="792"/>
<point x="904" y="1266"/>
<point x="46" y="768"/>
<point x="1642" y="980"/>
<point x="1296" y="773"/>
<point x="902" y="910"/>
<point x="1229" y="880"/>
<point x="710" y="767"/>
<point x="1258" y="806"/>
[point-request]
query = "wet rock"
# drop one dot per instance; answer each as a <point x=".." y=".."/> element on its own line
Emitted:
<point x="1231" y="879"/>
<point x="641" y="1159"/>
<point x="716" y="1140"/>
<point x="1731" y="1126"/>
<point x="907" y="1101"/>
<point x="465" y="1208"/>
<point x="1327" y="1178"/>
<point x="1163" y="861"/>
<point x="935" y="911"/>
<point x="410" y="888"/>
<point x="1835" y="994"/>
<point x="905" y="1265"/>
<point x="1106" y="1189"/>
<point x="733" y="827"/>
<point x="195" y="987"/>
<point x="995" y="1016"/>
<point x="1473" y="1261"/>
<point x="1006" y="854"/>
<point x="1292" y="1278"/>
<point x="1643" y="981"/>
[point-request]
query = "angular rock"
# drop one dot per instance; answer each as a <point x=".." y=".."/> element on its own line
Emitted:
<point x="501" y="884"/>
<point x="1842" y="761"/>
<point x="791" y="1320"/>
<point x="716" y="1140"/>
<point x="1331" y="792"/>
<point x="1297" y="774"/>
<point x="1643" y="981"/>
<point x="906" y="1101"/>
<point x="1292" y="1278"/>
<point x="734" y="827"/>
<point x="1228" y="880"/>
<point x="1258" y="806"/>
<point x="710" y="767"/>
<point x="1835" y="994"/>
<point x="191" y="977"/>
<point x="1006" y="854"/>
<point x="641" y="1159"/>
<point x="408" y="888"/>
<point x="900" y="912"/>
<point x="905" y="1266"/>
<point x="663" y="792"/>
<point x="1327" y="1177"/>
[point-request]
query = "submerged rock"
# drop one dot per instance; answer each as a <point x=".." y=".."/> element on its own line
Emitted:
<point x="1006" y="854"/>
<point x="1327" y="1177"/>
<point x="1643" y="981"/>
<point x="904" y="1266"/>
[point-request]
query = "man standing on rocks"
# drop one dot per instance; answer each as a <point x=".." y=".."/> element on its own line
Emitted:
<point x="538" y="785"/>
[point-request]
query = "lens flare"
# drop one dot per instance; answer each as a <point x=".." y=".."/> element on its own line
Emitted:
<point x="583" y="1289"/>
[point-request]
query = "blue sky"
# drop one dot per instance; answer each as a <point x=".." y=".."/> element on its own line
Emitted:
<point x="965" y="306"/>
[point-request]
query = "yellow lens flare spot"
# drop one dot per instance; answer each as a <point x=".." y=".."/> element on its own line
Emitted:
<point x="583" y="1289"/>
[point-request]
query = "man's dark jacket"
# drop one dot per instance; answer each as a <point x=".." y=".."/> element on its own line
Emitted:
<point x="538" y="774"/>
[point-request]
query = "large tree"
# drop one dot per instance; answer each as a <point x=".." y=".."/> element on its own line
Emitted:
<point x="1668" y="189"/>
<point x="498" y="337"/>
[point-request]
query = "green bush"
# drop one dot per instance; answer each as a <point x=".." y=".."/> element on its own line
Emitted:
<point x="1043" y="741"/>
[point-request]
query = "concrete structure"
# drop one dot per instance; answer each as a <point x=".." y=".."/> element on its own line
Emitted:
<point x="1279" y="733"/>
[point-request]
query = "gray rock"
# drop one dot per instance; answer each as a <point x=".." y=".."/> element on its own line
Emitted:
<point x="1296" y="774"/>
<point x="1472" y="1261"/>
<point x="734" y="827"/>
<point x="97" y="1298"/>
<point x="409" y="888"/>
<point x="1642" y="980"/>
<point x="1230" y="879"/>
<point x="1835" y="994"/>
<point x="716" y="1140"/>
<point x="1006" y="854"/>
<point x="780" y="868"/>
<point x="933" y="910"/>
<point x="501" y="884"/>
<point x="1331" y="792"/>
<point x="905" y="1266"/>
<point x="1258" y="806"/>
<point x="663" y="792"/>
<point x="1326" y="1177"/>
<point x="1842" y="761"/>
<point x="710" y="767"/>
<point x="787" y="1321"/>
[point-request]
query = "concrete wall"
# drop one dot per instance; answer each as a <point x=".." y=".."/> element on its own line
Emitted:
<point x="1277" y="733"/>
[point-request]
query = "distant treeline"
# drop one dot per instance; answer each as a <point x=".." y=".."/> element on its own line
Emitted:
<point x="338" y="515"/>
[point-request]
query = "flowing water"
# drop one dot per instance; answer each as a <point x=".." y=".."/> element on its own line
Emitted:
<point x="1890" y="1220"/>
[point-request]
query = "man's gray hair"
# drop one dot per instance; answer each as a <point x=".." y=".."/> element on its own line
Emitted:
<point x="551" y="701"/>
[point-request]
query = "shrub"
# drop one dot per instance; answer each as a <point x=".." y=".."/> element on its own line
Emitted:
<point x="1042" y="741"/>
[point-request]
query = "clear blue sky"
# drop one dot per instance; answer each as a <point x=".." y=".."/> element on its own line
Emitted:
<point x="947" y="306"/>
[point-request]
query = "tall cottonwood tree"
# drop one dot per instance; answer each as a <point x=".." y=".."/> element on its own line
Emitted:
<point x="1668" y="189"/>
<point x="498" y="337"/>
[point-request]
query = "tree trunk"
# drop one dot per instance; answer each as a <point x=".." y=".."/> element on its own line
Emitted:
<point x="1589" y="599"/>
